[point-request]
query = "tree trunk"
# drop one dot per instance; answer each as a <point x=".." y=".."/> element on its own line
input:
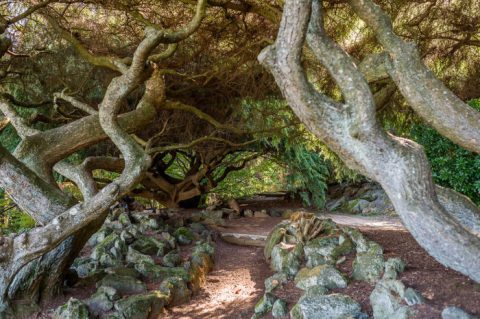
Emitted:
<point x="43" y="279"/>
<point x="351" y="130"/>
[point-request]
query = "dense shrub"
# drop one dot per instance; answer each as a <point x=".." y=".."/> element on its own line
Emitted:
<point x="452" y="166"/>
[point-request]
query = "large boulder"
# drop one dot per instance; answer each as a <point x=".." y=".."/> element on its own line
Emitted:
<point x="73" y="309"/>
<point x="387" y="300"/>
<point x="141" y="306"/>
<point x="125" y="285"/>
<point x="324" y="275"/>
<point x="286" y="259"/>
<point x="315" y="305"/>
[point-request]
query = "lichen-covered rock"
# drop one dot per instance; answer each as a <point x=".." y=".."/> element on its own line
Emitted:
<point x="102" y="300"/>
<point x="123" y="271"/>
<point x="125" y="285"/>
<point x="155" y="272"/>
<point x="134" y="257"/>
<point x="315" y="305"/>
<point x="150" y="246"/>
<point x="172" y="259"/>
<point x="184" y="236"/>
<point x="200" y="264"/>
<point x="279" y="309"/>
<point x="393" y="266"/>
<point x="324" y="275"/>
<point x="272" y="282"/>
<point x="361" y="243"/>
<point x="85" y="266"/>
<point x="99" y="236"/>
<point x="345" y="246"/>
<point x="386" y="300"/>
<point x="176" y="289"/>
<point x="204" y="248"/>
<point x="264" y="305"/>
<point x="285" y="258"/>
<point x="369" y="265"/>
<point x="141" y="306"/>
<point x="73" y="309"/>
<point x="319" y="251"/>
<point x="273" y="238"/>
<point x="110" y="251"/>
<point x="455" y="313"/>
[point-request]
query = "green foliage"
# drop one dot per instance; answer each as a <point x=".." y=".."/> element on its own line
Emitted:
<point x="452" y="166"/>
<point x="260" y="175"/>
<point x="307" y="172"/>
<point x="12" y="220"/>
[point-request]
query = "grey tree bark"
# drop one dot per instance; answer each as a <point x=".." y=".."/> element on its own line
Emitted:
<point x="351" y="130"/>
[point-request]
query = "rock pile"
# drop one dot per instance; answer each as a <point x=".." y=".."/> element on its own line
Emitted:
<point x="141" y="263"/>
<point x="366" y="199"/>
<point x="308" y="250"/>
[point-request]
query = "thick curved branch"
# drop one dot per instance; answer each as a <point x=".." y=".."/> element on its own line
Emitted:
<point x="197" y="141"/>
<point x="19" y="123"/>
<point x="426" y="94"/>
<point x="41" y="200"/>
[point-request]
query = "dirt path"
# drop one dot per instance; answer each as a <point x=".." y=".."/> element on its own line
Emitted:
<point x="237" y="280"/>
<point x="233" y="287"/>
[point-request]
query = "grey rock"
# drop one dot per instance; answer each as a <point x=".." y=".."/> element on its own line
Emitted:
<point x="273" y="238"/>
<point x="141" y="306"/>
<point x="324" y="275"/>
<point x="102" y="300"/>
<point x="386" y="300"/>
<point x="279" y="309"/>
<point x="150" y="246"/>
<point x="369" y="265"/>
<point x="155" y="272"/>
<point x="320" y="250"/>
<point x="315" y="305"/>
<point x="135" y="257"/>
<point x="361" y="243"/>
<point x="285" y="259"/>
<point x="184" y="236"/>
<point x="85" y="266"/>
<point x="176" y="289"/>
<point x="123" y="284"/>
<point x="73" y="309"/>
<point x="413" y="297"/>
<point x="274" y="281"/>
<point x="265" y="304"/>
<point x="455" y="313"/>
<point x="393" y="266"/>
<point x="172" y="259"/>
